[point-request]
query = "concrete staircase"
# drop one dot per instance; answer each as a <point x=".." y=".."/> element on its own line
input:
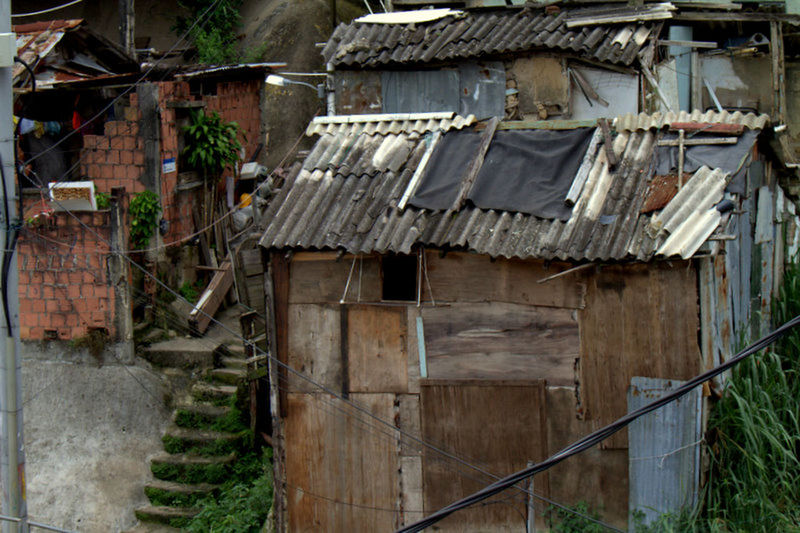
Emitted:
<point x="202" y="443"/>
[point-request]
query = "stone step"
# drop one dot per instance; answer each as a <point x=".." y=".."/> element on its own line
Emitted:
<point x="169" y="493"/>
<point x="170" y="516"/>
<point x="192" y="469"/>
<point x="234" y="350"/>
<point x="230" y="376"/>
<point x="234" y="362"/>
<point x="198" y="415"/>
<point x="194" y="441"/>
<point x="211" y="392"/>
<point x="180" y="353"/>
<point x="150" y="527"/>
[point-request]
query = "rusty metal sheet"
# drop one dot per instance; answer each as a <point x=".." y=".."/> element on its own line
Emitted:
<point x="664" y="450"/>
<point x="358" y="93"/>
<point x="660" y="191"/>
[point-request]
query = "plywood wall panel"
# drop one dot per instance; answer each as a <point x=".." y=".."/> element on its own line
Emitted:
<point x="465" y="277"/>
<point x="501" y="341"/>
<point x="376" y="348"/>
<point x="500" y="426"/>
<point x="315" y="346"/>
<point x="342" y="474"/>
<point x="639" y="320"/>
<point x="325" y="281"/>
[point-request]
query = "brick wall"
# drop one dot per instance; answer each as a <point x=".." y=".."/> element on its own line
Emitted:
<point x="63" y="278"/>
<point x="63" y="287"/>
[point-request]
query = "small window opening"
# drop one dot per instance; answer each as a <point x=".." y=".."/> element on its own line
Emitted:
<point x="399" y="277"/>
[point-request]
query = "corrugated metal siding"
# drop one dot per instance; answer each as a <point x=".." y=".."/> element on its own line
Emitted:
<point x="420" y="90"/>
<point x="480" y="34"/>
<point x="346" y="197"/>
<point x="663" y="450"/>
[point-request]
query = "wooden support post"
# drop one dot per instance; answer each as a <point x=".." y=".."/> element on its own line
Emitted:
<point x="611" y="157"/>
<point x="119" y="276"/>
<point x="127" y="24"/>
<point x="530" y="525"/>
<point x="778" y="71"/>
<point x="477" y="163"/>
<point x="343" y="348"/>
<point x="280" y="281"/>
<point x="681" y="138"/>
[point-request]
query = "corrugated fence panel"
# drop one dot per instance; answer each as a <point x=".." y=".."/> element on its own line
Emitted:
<point x="664" y="450"/>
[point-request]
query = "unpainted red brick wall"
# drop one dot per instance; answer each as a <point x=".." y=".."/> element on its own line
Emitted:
<point x="115" y="159"/>
<point x="64" y="290"/>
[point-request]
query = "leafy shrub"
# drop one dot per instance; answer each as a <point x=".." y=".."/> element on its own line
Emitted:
<point x="215" y="35"/>
<point x="211" y="143"/>
<point x="143" y="210"/>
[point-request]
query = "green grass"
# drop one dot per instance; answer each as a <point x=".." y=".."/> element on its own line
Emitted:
<point x="243" y="501"/>
<point x="218" y="447"/>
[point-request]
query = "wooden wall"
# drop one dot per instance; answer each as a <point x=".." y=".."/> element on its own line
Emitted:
<point x="516" y="371"/>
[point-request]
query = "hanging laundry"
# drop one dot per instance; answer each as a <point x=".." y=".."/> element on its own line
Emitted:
<point x="38" y="129"/>
<point x="26" y="126"/>
<point x="76" y="120"/>
<point x="52" y="128"/>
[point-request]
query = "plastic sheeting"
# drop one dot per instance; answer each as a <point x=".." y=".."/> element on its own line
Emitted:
<point x="525" y="171"/>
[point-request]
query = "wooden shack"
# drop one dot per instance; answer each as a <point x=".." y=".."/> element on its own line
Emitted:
<point x="422" y="352"/>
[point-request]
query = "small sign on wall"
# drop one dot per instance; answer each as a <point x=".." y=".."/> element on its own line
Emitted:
<point x="169" y="165"/>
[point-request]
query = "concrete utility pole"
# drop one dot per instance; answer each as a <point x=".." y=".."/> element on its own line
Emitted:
<point x="127" y="23"/>
<point x="12" y="457"/>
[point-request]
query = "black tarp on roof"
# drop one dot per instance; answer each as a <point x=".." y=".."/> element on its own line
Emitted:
<point x="525" y="171"/>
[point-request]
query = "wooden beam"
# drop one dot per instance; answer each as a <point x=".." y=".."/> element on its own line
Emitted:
<point x="211" y="299"/>
<point x="127" y="23"/>
<point x="707" y="127"/>
<point x="543" y="125"/>
<point x="688" y="44"/>
<point x="778" y="70"/>
<point x="280" y="283"/>
<point x="611" y="157"/>
<point x="698" y="141"/>
<point x="700" y="16"/>
<point x="477" y="163"/>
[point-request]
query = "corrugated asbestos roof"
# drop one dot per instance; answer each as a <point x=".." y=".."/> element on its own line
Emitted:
<point x="482" y="33"/>
<point x="643" y="121"/>
<point x="91" y="56"/>
<point x="345" y="197"/>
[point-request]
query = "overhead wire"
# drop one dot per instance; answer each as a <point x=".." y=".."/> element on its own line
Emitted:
<point x="43" y="11"/>
<point x="601" y="434"/>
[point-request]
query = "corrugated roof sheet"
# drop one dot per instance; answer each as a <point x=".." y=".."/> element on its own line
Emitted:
<point x="345" y="197"/>
<point x="92" y="56"/>
<point x="643" y="121"/>
<point x="482" y="33"/>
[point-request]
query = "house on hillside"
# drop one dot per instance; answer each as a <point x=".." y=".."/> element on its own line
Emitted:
<point x="408" y="279"/>
<point x="94" y="123"/>
<point x="515" y="226"/>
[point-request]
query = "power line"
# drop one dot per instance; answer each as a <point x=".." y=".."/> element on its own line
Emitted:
<point x="43" y="11"/>
<point x="601" y="434"/>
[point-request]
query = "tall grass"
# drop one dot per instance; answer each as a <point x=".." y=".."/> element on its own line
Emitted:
<point x="754" y="482"/>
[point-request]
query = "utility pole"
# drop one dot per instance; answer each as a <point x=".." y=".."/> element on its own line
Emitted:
<point x="12" y="457"/>
<point x="127" y="22"/>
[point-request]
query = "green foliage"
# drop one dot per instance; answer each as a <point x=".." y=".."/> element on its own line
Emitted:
<point x="211" y="143"/>
<point x="217" y="447"/>
<point x="95" y="342"/>
<point x="103" y="200"/>
<point x="563" y="521"/>
<point x="190" y="291"/>
<point x="243" y="501"/>
<point x="143" y="210"/>
<point x="755" y="476"/>
<point x="215" y="35"/>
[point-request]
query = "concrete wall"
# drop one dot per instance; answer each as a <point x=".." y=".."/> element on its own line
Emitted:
<point x="89" y="431"/>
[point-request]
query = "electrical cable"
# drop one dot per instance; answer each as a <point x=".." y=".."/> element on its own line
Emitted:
<point x="601" y="434"/>
<point x="43" y="11"/>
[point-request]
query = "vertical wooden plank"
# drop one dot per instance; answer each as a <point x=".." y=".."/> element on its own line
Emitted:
<point x="376" y="349"/>
<point x="280" y="281"/>
<point x="467" y="417"/>
<point x="314" y="346"/>
<point x="344" y="351"/>
<point x="653" y="333"/>
<point x="342" y="472"/>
